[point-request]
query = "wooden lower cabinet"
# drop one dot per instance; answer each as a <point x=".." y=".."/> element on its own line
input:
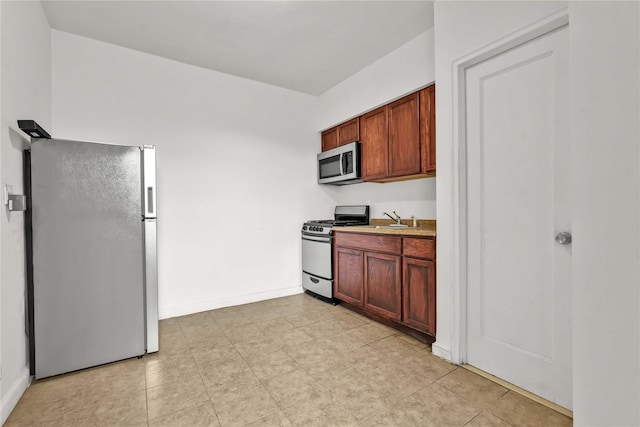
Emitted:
<point x="349" y="276"/>
<point x="389" y="276"/>
<point x="418" y="294"/>
<point x="382" y="284"/>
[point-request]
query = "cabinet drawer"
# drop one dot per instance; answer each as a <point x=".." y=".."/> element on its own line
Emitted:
<point x="369" y="242"/>
<point x="419" y="248"/>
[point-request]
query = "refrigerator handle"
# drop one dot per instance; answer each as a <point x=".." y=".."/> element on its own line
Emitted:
<point x="150" y="200"/>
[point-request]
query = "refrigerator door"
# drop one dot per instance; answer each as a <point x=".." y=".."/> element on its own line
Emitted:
<point x="150" y="247"/>
<point x="87" y="254"/>
<point x="149" y="181"/>
<point x="151" y="286"/>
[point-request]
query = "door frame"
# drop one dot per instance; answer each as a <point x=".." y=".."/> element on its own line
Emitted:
<point x="553" y="21"/>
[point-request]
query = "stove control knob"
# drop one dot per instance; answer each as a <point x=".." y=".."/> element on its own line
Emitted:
<point x="304" y="228"/>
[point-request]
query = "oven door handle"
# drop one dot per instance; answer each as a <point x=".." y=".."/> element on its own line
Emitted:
<point x="320" y="239"/>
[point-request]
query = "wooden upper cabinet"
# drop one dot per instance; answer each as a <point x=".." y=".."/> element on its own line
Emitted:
<point x="349" y="131"/>
<point x="342" y="134"/>
<point x="404" y="136"/>
<point x="330" y="139"/>
<point x="374" y="127"/>
<point x="428" y="129"/>
<point x="398" y="139"/>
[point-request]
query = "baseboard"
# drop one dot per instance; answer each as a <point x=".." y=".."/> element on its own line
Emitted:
<point x="182" y="310"/>
<point x="13" y="394"/>
<point x="441" y="352"/>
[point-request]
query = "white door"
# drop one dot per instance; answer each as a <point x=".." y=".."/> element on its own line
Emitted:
<point x="518" y="200"/>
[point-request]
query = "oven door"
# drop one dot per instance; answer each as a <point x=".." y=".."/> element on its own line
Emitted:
<point x="316" y="255"/>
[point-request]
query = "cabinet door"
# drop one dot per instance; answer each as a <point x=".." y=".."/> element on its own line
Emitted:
<point x="382" y="284"/>
<point x="419" y="294"/>
<point x="428" y="129"/>
<point x="349" y="276"/>
<point x="329" y="139"/>
<point x="404" y="136"/>
<point x="375" y="149"/>
<point x="349" y="131"/>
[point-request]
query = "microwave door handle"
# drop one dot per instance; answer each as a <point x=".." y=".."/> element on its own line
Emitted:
<point x="341" y="164"/>
<point x="344" y="163"/>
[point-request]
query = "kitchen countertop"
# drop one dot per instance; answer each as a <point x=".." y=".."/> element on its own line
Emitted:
<point x="425" y="228"/>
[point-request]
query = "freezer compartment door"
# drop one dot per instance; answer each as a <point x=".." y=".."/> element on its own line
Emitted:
<point x="88" y="266"/>
<point x="149" y="181"/>
<point x="151" y="285"/>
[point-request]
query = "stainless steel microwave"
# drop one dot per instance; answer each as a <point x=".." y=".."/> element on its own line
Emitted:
<point x="340" y="166"/>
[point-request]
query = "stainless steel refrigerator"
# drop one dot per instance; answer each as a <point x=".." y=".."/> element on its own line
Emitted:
<point x="91" y="254"/>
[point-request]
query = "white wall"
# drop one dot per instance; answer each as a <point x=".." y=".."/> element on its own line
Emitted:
<point x="26" y="94"/>
<point x="398" y="73"/>
<point x="605" y="132"/>
<point x="461" y="28"/>
<point x="402" y="71"/>
<point x="236" y="166"/>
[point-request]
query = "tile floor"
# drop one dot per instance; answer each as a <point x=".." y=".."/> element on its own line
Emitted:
<point x="287" y="361"/>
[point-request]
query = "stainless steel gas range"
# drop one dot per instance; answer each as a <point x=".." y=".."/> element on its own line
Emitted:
<point x="317" y="248"/>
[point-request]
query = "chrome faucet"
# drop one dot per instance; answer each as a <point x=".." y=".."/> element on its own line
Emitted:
<point x="396" y="219"/>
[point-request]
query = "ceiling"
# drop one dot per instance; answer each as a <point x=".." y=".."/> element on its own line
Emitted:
<point x="306" y="46"/>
